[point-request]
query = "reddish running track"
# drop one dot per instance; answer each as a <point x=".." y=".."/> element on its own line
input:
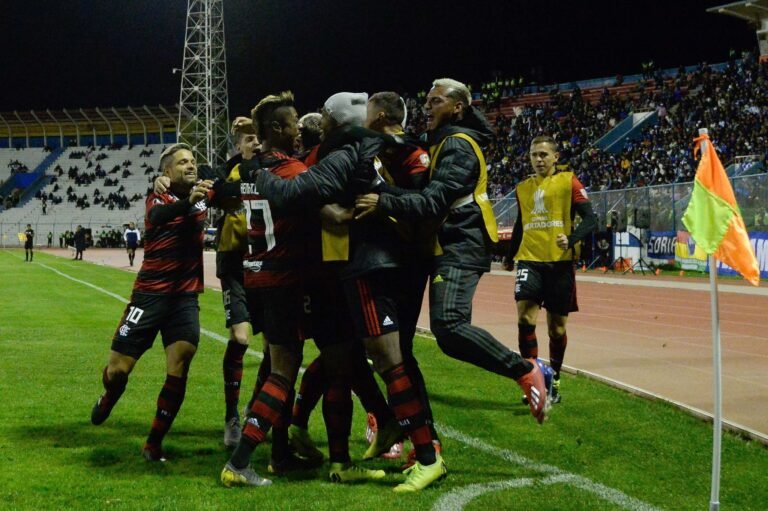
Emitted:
<point x="654" y="334"/>
<point x="649" y="334"/>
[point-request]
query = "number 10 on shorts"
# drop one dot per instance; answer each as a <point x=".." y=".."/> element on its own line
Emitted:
<point x="134" y="314"/>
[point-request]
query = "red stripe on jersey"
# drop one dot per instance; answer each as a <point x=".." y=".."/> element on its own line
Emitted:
<point x="173" y="252"/>
<point x="277" y="241"/>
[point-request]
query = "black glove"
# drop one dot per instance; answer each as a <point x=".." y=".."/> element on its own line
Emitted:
<point x="249" y="170"/>
<point x="206" y="172"/>
<point x="365" y="177"/>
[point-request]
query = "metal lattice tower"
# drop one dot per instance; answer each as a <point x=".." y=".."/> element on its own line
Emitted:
<point x="203" y="110"/>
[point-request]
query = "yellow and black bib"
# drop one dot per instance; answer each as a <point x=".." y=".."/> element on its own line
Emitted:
<point x="545" y="209"/>
<point x="480" y="193"/>
<point x="234" y="231"/>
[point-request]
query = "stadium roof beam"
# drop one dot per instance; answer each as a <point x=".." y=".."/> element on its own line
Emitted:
<point x="753" y="11"/>
<point x="45" y="132"/>
<point x="127" y="128"/>
<point x="109" y="127"/>
<point x="24" y="125"/>
<point x="159" y="124"/>
<point x="93" y="125"/>
<point x="77" y="128"/>
<point x="61" y="128"/>
<point x="8" y="127"/>
<point x="174" y="120"/>
<point x="143" y="125"/>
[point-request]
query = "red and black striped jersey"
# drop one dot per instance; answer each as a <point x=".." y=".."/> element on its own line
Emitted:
<point x="277" y="239"/>
<point x="408" y="166"/>
<point x="173" y="251"/>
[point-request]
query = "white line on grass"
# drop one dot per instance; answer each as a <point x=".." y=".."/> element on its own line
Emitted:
<point x="456" y="499"/>
<point x="461" y="496"/>
<point x="212" y="335"/>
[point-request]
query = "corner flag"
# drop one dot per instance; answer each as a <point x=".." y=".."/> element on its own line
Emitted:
<point x="713" y="217"/>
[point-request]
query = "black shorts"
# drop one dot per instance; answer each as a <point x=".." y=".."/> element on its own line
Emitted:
<point x="176" y="317"/>
<point x="234" y="298"/>
<point x="328" y="312"/>
<point x="27" y="244"/>
<point x="551" y="285"/>
<point x="373" y="302"/>
<point x="132" y="245"/>
<point x="278" y="313"/>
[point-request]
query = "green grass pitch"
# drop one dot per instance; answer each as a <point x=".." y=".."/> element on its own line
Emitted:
<point x="603" y="449"/>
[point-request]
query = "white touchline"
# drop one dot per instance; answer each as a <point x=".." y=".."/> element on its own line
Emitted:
<point x="212" y="335"/>
<point x="456" y="499"/>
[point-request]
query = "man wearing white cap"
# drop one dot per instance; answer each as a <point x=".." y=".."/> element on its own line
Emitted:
<point x="373" y="252"/>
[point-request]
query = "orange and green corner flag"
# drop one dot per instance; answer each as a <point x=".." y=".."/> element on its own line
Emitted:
<point x="713" y="217"/>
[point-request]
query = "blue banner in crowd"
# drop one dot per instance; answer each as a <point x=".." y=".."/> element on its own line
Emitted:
<point x="759" y="241"/>
<point x="23" y="180"/>
<point x="661" y="244"/>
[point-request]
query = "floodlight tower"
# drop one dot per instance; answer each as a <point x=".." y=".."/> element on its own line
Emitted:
<point x="203" y="110"/>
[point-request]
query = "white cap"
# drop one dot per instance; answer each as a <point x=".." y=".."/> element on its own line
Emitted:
<point x="347" y="108"/>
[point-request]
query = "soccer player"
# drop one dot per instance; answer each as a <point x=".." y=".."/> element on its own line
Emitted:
<point x="272" y="275"/>
<point x="165" y="296"/>
<point x="405" y="166"/>
<point x="231" y="237"/>
<point x="544" y="243"/>
<point x="29" y="237"/>
<point x="231" y="234"/>
<point x="374" y="253"/>
<point x="457" y="193"/>
<point x="131" y="236"/>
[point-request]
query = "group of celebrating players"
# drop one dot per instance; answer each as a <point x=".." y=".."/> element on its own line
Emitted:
<point x="333" y="225"/>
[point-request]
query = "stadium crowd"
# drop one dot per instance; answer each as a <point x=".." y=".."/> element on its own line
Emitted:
<point x="732" y="103"/>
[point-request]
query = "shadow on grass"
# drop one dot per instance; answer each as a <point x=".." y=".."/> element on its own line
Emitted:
<point x="116" y="447"/>
<point x="510" y="404"/>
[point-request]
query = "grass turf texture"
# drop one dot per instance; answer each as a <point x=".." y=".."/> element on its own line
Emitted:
<point x="54" y="340"/>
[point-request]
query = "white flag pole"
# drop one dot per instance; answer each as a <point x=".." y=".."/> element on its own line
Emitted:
<point x="717" y="423"/>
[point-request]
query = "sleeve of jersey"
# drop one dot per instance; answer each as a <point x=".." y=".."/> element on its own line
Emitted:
<point x="517" y="233"/>
<point x="310" y="188"/>
<point x="583" y="207"/>
<point x="454" y="176"/>
<point x="417" y="164"/>
<point x="578" y="192"/>
<point x="160" y="212"/>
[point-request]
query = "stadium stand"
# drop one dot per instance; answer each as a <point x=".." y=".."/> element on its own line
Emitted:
<point x="587" y="118"/>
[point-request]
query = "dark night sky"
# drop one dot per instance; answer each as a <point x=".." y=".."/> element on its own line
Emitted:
<point x="86" y="53"/>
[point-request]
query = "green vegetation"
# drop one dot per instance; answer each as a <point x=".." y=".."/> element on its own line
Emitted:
<point x="54" y="340"/>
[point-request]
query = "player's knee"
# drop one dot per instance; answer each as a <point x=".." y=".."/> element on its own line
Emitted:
<point x="117" y="375"/>
<point x="240" y="336"/>
<point x="441" y="327"/>
<point x="449" y="343"/>
<point x="556" y="332"/>
<point x="383" y="359"/>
